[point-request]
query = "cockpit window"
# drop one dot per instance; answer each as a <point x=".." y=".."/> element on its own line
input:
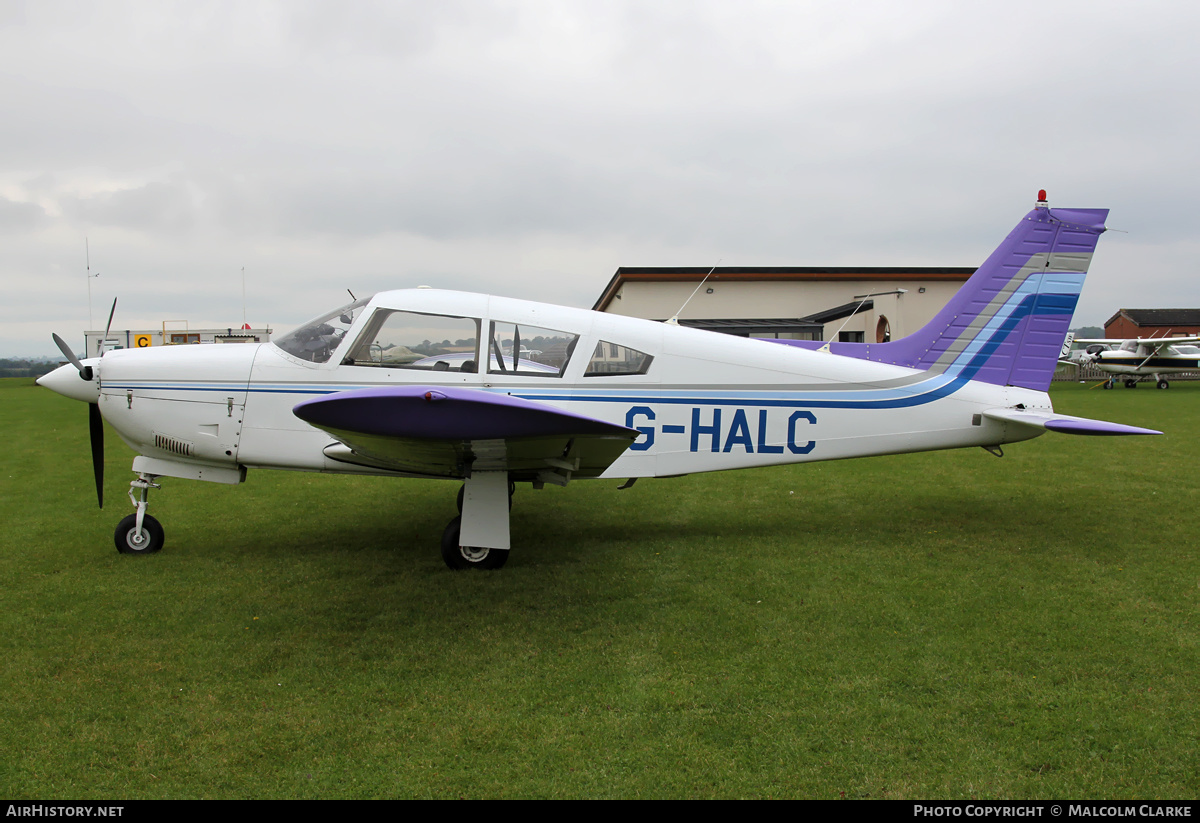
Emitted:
<point x="315" y="340"/>
<point x="408" y="340"/>
<point x="613" y="358"/>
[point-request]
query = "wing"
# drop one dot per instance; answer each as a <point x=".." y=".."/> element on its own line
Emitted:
<point x="1063" y="423"/>
<point x="1169" y="341"/>
<point x="1141" y="341"/>
<point x="448" y="431"/>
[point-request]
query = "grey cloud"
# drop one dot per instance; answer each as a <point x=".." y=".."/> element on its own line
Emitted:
<point x="20" y="217"/>
<point x="155" y="208"/>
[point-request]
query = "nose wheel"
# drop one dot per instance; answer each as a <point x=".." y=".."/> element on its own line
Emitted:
<point x="139" y="533"/>
<point x="131" y="539"/>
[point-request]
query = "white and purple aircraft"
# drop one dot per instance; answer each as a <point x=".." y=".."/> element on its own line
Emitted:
<point x="521" y="392"/>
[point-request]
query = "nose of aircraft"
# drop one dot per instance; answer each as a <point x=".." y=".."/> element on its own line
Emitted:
<point x="67" y="381"/>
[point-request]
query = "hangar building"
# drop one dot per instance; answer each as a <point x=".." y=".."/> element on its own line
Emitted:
<point x="95" y="343"/>
<point x="854" y="305"/>
<point x="1128" y="323"/>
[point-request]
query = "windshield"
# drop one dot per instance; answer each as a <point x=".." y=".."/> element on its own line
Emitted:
<point x="315" y="340"/>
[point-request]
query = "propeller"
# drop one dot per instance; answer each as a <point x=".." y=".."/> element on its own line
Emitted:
<point x="85" y="372"/>
<point x="96" y="430"/>
<point x="95" y="420"/>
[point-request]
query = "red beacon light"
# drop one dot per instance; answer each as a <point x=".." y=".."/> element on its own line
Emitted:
<point x="1042" y="197"/>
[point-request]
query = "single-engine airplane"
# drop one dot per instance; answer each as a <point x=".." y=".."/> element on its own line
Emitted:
<point x="521" y="392"/>
<point x="1141" y="358"/>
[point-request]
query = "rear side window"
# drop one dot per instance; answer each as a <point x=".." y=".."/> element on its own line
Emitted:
<point x="516" y="348"/>
<point x="613" y="359"/>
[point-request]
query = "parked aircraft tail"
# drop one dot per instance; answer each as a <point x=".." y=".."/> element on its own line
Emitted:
<point x="1006" y="325"/>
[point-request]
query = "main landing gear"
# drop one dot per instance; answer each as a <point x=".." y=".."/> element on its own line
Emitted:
<point x="139" y="533"/>
<point x="1132" y="383"/>
<point x="478" y="537"/>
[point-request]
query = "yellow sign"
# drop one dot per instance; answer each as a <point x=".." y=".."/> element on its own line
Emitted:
<point x="141" y="341"/>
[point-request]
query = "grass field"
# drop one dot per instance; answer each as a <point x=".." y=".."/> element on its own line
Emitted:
<point x="944" y="625"/>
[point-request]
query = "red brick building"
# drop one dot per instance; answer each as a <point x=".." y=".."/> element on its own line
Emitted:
<point x="1128" y="323"/>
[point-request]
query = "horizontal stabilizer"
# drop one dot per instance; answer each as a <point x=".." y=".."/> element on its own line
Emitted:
<point x="1064" y="423"/>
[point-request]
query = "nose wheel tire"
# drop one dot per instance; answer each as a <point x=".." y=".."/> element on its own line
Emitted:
<point x="147" y="541"/>
<point x="468" y="557"/>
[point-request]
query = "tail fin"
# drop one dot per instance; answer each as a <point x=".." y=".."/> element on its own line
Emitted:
<point x="1006" y="325"/>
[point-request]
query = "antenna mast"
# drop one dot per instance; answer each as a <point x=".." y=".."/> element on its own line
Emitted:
<point x="673" y="320"/>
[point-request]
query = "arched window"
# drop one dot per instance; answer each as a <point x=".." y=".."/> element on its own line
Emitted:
<point x="883" y="330"/>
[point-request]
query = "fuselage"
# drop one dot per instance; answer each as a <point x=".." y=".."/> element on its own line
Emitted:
<point x="701" y="401"/>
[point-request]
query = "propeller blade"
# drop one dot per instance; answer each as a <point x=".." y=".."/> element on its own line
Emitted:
<point x="111" y="312"/>
<point x="96" y="427"/>
<point x="84" y="371"/>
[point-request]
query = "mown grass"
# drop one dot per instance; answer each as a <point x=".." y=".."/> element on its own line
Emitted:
<point x="937" y="625"/>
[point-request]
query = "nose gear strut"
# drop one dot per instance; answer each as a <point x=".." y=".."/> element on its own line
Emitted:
<point x="140" y="533"/>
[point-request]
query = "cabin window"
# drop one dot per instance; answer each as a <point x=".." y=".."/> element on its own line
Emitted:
<point x="409" y="340"/>
<point x="517" y="348"/>
<point x="613" y="358"/>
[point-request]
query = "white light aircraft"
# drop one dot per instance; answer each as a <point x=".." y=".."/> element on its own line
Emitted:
<point x="521" y="392"/>
<point x="1141" y="358"/>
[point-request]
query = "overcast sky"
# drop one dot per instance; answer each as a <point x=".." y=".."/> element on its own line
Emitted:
<point x="528" y="149"/>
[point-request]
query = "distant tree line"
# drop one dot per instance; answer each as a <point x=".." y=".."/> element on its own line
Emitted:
<point x="23" y="367"/>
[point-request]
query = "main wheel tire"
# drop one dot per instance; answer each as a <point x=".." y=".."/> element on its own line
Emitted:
<point x="468" y="557"/>
<point x="1163" y="384"/>
<point x="130" y="541"/>
<point x="1131" y="384"/>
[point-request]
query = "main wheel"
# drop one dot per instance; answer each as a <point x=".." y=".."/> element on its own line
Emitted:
<point x="1163" y="384"/>
<point x="1131" y="384"/>
<point x="468" y="557"/>
<point x="130" y="541"/>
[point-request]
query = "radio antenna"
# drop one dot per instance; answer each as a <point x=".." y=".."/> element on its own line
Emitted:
<point x="674" y="319"/>
<point x="88" y="262"/>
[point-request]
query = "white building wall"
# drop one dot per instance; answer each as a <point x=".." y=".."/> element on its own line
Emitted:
<point x="741" y="299"/>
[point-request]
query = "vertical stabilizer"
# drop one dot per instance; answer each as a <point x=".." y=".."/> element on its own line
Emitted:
<point x="1006" y="325"/>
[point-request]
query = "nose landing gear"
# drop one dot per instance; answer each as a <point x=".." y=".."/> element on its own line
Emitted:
<point x="139" y="533"/>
